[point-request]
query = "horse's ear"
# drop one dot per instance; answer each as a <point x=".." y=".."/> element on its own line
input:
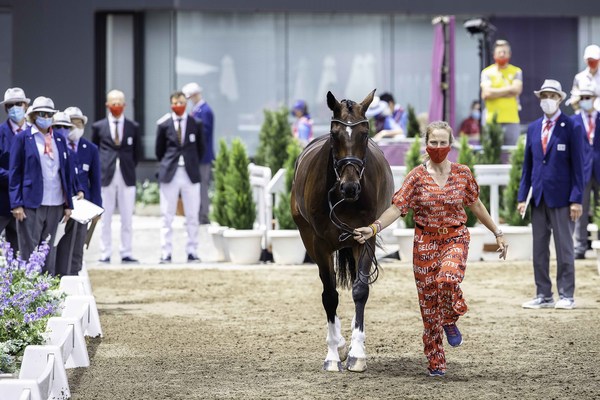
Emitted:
<point x="367" y="101"/>
<point x="332" y="102"/>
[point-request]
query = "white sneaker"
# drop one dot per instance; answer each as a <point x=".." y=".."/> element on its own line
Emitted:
<point x="565" y="304"/>
<point x="539" y="302"/>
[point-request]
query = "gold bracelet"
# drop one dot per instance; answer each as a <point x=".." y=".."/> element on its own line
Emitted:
<point x="373" y="228"/>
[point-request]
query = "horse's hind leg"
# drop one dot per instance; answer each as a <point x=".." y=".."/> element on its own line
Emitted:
<point x="357" y="356"/>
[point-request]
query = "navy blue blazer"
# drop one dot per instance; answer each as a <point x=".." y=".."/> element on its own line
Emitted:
<point x="127" y="151"/>
<point x="557" y="176"/>
<point x="26" y="186"/>
<point x="86" y="161"/>
<point x="592" y="151"/>
<point x="6" y="139"/>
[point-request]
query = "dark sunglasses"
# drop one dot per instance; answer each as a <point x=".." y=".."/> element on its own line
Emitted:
<point x="45" y="114"/>
<point x="62" y="127"/>
<point x="585" y="98"/>
<point x="18" y="103"/>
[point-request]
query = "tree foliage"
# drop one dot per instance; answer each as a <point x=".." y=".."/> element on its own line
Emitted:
<point x="240" y="206"/>
<point x="411" y="160"/>
<point x="466" y="157"/>
<point x="275" y="134"/>
<point x="510" y="200"/>
<point x="282" y="211"/>
<point x="413" y="127"/>
<point x="220" y="167"/>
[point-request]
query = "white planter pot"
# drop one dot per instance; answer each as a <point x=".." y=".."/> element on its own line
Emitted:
<point x="219" y="243"/>
<point x="244" y="245"/>
<point x="405" y="238"/>
<point x="520" y="244"/>
<point x="287" y="246"/>
<point x="478" y="235"/>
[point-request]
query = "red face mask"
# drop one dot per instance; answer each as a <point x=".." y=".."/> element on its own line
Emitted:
<point x="438" y="154"/>
<point x="501" y="61"/>
<point x="593" y="64"/>
<point x="178" y="109"/>
<point x="116" y="111"/>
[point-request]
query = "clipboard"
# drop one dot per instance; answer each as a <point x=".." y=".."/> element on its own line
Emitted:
<point x="85" y="211"/>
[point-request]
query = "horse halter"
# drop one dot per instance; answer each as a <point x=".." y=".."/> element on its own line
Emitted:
<point x="339" y="165"/>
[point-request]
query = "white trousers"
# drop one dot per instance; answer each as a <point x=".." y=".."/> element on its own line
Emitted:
<point x="117" y="193"/>
<point x="190" y="196"/>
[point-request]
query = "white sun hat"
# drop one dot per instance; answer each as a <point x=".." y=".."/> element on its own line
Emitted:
<point x="592" y="51"/>
<point x="75" y="112"/>
<point x="15" y="95"/>
<point x="551" y="85"/>
<point x="42" y="104"/>
<point x="61" y="118"/>
<point x="191" y="89"/>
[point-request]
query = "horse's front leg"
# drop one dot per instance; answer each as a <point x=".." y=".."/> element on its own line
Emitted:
<point x="336" y="344"/>
<point x="357" y="356"/>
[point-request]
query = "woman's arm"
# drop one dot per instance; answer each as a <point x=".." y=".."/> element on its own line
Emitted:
<point x="484" y="217"/>
<point x="364" y="233"/>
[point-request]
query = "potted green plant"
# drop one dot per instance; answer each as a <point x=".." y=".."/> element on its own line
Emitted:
<point x="243" y="242"/>
<point x="406" y="234"/>
<point x="147" y="198"/>
<point x="518" y="231"/>
<point x="218" y="203"/>
<point x="412" y="125"/>
<point x="286" y="244"/>
<point x="274" y="136"/>
<point x="492" y="137"/>
<point x="466" y="157"/>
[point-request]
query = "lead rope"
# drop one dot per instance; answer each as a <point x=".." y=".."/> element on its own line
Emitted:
<point x="347" y="232"/>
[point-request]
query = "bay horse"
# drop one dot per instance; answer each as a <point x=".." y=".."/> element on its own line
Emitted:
<point x="342" y="181"/>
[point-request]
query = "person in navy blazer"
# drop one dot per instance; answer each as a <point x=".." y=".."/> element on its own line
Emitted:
<point x="589" y="120"/>
<point x="40" y="182"/>
<point x="86" y="161"/>
<point x="117" y="139"/>
<point x="553" y="168"/>
<point x="179" y="149"/>
<point x="15" y="103"/>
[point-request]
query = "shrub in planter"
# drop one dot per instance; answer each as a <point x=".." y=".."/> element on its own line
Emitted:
<point x="509" y="211"/>
<point x="239" y="205"/>
<point x="28" y="299"/>
<point x="282" y="211"/>
<point x="219" y="200"/>
<point x="466" y="157"/>
<point x="411" y="160"/>
<point x="412" y="128"/>
<point x="492" y="137"/>
<point x="147" y="193"/>
<point x="275" y="134"/>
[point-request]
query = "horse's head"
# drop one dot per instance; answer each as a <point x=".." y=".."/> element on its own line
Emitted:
<point x="349" y="141"/>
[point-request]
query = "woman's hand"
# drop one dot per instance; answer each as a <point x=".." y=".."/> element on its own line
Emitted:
<point x="361" y="235"/>
<point x="502" y="247"/>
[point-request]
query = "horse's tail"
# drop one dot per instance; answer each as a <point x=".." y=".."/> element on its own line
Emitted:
<point x="346" y="268"/>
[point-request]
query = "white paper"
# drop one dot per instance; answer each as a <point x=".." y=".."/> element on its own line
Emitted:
<point x="527" y="201"/>
<point x="60" y="232"/>
<point x="84" y="211"/>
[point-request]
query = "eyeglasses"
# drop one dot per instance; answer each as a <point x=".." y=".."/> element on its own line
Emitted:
<point x="585" y="98"/>
<point x="61" y="127"/>
<point x="45" y="114"/>
<point x="18" y="104"/>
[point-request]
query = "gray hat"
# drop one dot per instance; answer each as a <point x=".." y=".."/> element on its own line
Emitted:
<point x="14" y="95"/>
<point x="61" y="118"/>
<point x="191" y="89"/>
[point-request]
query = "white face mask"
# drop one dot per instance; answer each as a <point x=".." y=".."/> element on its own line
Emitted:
<point x="549" y="106"/>
<point x="75" y="134"/>
<point x="587" y="105"/>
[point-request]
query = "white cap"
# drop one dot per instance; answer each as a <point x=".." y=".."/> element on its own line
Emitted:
<point x="61" y="118"/>
<point x="42" y="104"/>
<point x="587" y="88"/>
<point x="191" y="89"/>
<point x="592" y="51"/>
<point x="75" y="112"/>
<point x="14" y="95"/>
<point x="377" y="107"/>
<point x="551" y="85"/>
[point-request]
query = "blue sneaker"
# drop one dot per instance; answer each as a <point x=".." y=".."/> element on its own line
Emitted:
<point x="436" y="373"/>
<point x="453" y="335"/>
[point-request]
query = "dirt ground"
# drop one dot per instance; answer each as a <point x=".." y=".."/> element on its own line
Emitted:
<point x="258" y="332"/>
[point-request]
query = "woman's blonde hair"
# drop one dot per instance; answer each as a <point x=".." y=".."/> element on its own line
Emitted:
<point x="439" y="125"/>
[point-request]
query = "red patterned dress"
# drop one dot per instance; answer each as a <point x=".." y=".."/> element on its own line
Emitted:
<point x="440" y="248"/>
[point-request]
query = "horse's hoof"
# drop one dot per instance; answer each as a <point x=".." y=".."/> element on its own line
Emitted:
<point x="356" y="364"/>
<point x="343" y="352"/>
<point x="332" y="366"/>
